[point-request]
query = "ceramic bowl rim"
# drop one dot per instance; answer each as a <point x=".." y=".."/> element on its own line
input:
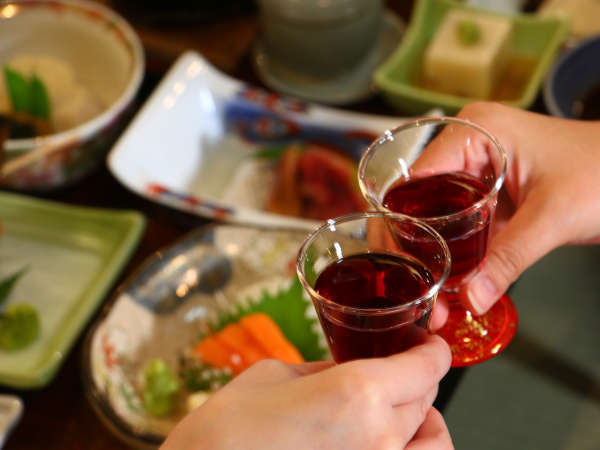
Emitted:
<point x="92" y="126"/>
<point x="550" y="99"/>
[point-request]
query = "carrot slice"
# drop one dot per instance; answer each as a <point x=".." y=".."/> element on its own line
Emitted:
<point x="237" y="338"/>
<point x="270" y="338"/>
<point x="218" y="354"/>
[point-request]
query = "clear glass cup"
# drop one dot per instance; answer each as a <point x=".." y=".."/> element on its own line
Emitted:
<point x="380" y="302"/>
<point x="456" y="196"/>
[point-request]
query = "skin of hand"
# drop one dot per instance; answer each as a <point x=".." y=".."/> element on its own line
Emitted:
<point x="380" y="403"/>
<point x="549" y="197"/>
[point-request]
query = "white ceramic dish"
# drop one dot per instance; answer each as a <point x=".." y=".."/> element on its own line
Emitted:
<point x="11" y="410"/>
<point x="106" y="57"/>
<point x="190" y="145"/>
<point x="173" y="296"/>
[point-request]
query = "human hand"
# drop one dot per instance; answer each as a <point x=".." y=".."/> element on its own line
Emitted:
<point x="550" y="194"/>
<point x="380" y="403"/>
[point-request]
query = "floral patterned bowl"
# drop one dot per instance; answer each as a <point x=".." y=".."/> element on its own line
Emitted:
<point x="107" y="57"/>
<point x="163" y="310"/>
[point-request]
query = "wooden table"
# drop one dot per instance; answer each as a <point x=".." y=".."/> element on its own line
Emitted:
<point x="59" y="416"/>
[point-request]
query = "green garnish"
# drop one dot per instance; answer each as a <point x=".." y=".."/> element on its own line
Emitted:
<point x="160" y="388"/>
<point x="271" y="153"/>
<point x="288" y="309"/>
<point x="203" y="377"/>
<point x="7" y="284"/>
<point x="468" y="32"/>
<point x="19" y="326"/>
<point x="27" y="96"/>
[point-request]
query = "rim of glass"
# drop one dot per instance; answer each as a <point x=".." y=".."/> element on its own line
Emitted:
<point x="382" y="140"/>
<point x="432" y="291"/>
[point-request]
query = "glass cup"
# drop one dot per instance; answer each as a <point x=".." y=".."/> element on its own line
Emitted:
<point x="457" y="196"/>
<point x="372" y="287"/>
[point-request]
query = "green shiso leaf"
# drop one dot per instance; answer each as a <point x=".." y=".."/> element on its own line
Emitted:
<point x="288" y="310"/>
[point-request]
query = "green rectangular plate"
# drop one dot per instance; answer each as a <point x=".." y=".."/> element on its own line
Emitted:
<point x="532" y="36"/>
<point x="74" y="256"/>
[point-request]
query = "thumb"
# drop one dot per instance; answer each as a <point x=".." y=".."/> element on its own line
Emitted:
<point x="528" y="235"/>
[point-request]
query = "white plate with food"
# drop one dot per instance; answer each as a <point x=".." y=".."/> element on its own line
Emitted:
<point x="211" y="145"/>
<point x="205" y="308"/>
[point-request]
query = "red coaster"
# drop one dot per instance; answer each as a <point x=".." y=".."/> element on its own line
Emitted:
<point x="474" y="339"/>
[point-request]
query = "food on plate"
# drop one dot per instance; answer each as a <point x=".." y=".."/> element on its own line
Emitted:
<point x="468" y="53"/>
<point x="584" y="15"/>
<point x="19" y="322"/>
<point x="274" y="323"/>
<point x="239" y="345"/>
<point x="19" y="326"/>
<point x="160" y="389"/>
<point x="315" y="182"/>
<point x="46" y="88"/>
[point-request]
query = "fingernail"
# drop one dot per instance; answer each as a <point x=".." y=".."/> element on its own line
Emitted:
<point x="481" y="292"/>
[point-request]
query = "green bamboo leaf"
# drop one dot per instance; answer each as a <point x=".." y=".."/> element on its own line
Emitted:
<point x="39" y="103"/>
<point x="8" y="283"/>
<point x="18" y="90"/>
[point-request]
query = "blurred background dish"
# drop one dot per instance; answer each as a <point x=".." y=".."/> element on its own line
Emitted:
<point x="208" y="144"/>
<point x="583" y="15"/>
<point x="11" y="410"/>
<point x="466" y="48"/>
<point x="90" y="64"/>
<point x="324" y="51"/>
<point x="352" y="85"/>
<point x="69" y="256"/>
<point x="572" y="88"/>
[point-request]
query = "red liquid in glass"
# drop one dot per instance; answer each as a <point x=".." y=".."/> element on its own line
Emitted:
<point x="442" y="195"/>
<point x="374" y="281"/>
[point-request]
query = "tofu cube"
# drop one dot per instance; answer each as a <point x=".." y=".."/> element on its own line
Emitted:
<point x="468" y="69"/>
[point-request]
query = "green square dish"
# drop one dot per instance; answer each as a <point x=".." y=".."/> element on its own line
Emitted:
<point x="533" y="36"/>
<point x="73" y="256"/>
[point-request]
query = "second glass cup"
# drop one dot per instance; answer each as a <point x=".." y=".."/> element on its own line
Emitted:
<point x="454" y="189"/>
<point x="372" y="287"/>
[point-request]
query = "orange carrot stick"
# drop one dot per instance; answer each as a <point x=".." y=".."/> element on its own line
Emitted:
<point x="270" y="338"/>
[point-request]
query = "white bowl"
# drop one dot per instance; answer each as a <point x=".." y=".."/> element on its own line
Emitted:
<point x="108" y="60"/>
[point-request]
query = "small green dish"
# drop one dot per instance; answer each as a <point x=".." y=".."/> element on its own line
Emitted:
<point x="72" y="256"/>
<point x="533" y="36"/>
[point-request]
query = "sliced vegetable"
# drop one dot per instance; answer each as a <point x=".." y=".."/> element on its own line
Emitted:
<point x="39" y="105"/>
<point x="27" y="96"/>
<point x="270" y="338"/>
<point x="19" y="326"/>
<point x="216" y="353"/>
<point x="287" y="308"/>
<point x="241" y="341"/>
<point x="160" y="388"/>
